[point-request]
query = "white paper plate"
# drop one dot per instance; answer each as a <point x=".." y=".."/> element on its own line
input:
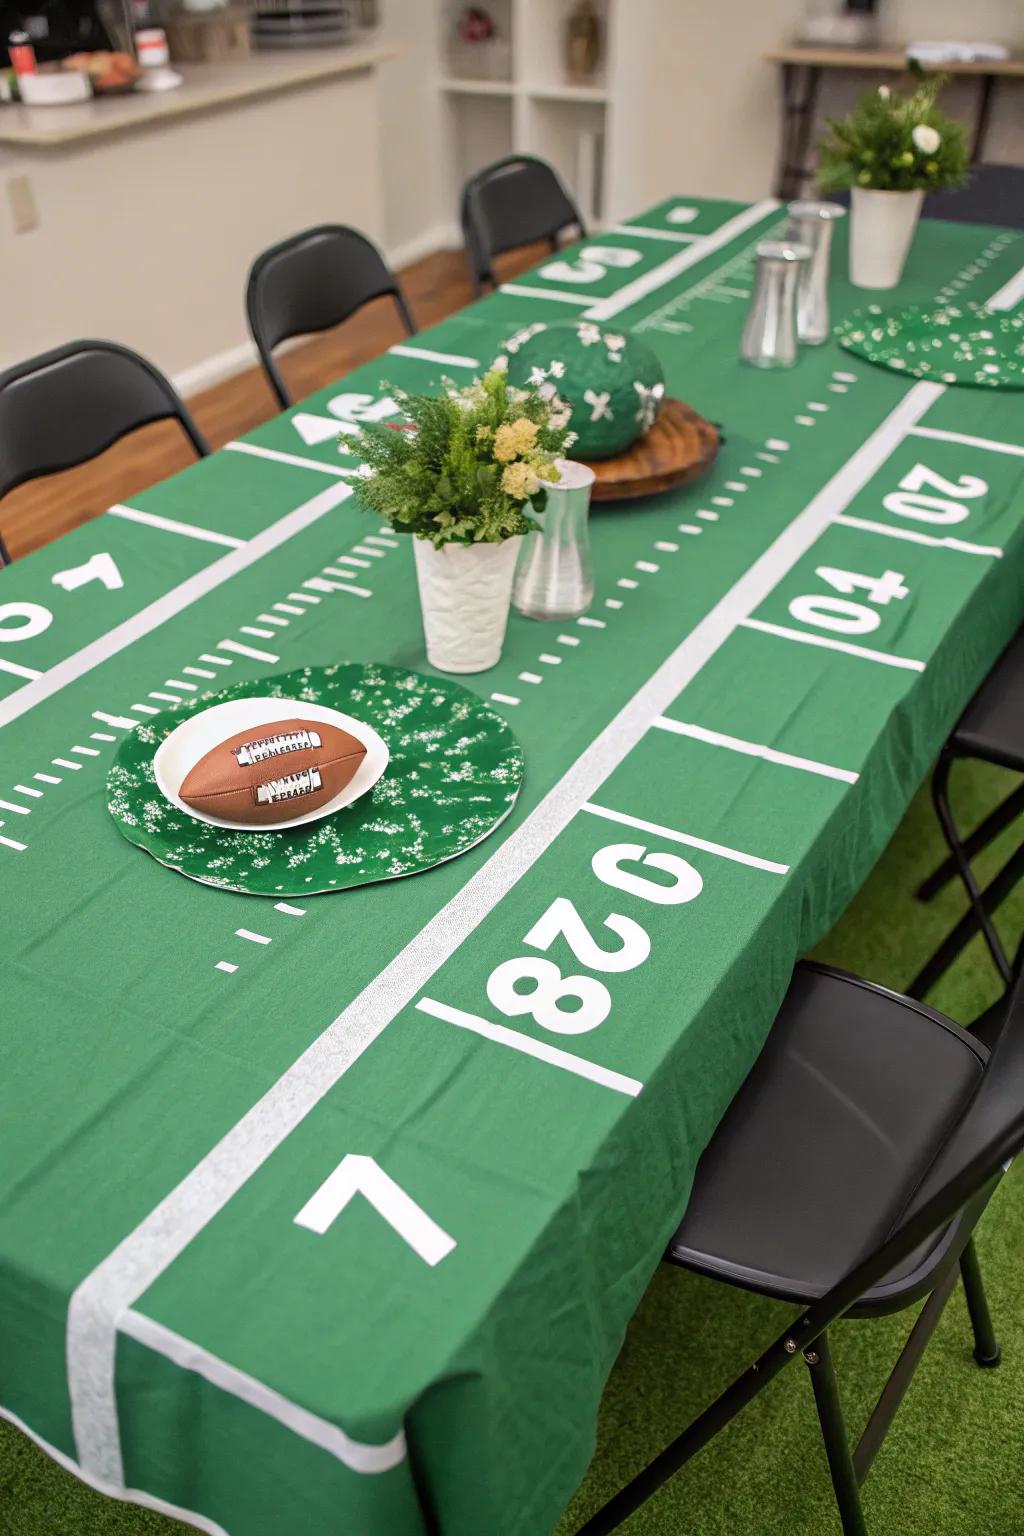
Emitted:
<point x="179" y="752"/>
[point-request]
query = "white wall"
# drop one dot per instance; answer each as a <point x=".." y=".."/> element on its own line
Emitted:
<point x="700" y="107"/>
<point x="147" y="238"/>
<point x="417" y="217"/>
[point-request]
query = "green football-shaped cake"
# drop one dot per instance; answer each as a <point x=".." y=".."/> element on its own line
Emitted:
<point x="611" y="382"/>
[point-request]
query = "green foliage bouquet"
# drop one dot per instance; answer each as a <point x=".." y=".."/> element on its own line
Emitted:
<point x="894" y="143"/>
<point x="467" y="464"/>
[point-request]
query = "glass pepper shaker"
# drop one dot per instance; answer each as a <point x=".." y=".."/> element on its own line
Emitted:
<point x="811" y="224"/>
<point x="769" y="336"/>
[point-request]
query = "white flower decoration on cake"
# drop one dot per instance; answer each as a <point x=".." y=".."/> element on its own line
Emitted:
<point x="598" y="401"/>
<point x="650" y="401"/>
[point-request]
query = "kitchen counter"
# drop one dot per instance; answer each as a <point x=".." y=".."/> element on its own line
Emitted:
<point x="206" y="88"/>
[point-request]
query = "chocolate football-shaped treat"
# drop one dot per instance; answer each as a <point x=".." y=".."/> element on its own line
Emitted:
<point x="273" y="772"/>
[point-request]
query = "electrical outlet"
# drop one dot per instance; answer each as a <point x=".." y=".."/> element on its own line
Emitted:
<point x="24" y="213"/>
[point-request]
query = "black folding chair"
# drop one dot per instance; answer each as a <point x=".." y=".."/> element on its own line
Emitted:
<point x="514" y="202"/>
<point x="64" y="407"/>
<point x="847" y="1177"/>
<point x="991" y="730"/>
<point x="993" y="195"/>
<point x="311" y="282"/>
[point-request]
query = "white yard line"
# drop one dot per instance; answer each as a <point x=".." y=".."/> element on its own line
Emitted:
<point x="673" y="835"/>
<point x="171" y="525"/>
<point x="705" y="245"/>
<point x="753" y="749"/>
<point x="968" y="441"/>
<point x="172" y="603"/>
<point x="530" y="1046"/>
<point x="294" y="459"/>
<point x="1010" y="295"/>
<point x="912" y="536"/>
<point x="828" y="644"/>
<point x="646" y="233"/>
<point x="319" y="1432"/>
<point x="16" y="669"/>
<point x="453" y="359"/>
<point x="556" y="294"/>
<point x="118" y="1281"/>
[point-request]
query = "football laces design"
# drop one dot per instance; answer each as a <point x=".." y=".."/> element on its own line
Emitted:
<point x="292" y="787"/>
<point x="265" y="747"/>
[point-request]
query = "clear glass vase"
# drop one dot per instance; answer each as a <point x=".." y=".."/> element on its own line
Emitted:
<point x="554" y="578"/>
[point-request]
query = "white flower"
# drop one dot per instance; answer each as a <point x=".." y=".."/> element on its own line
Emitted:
<point x="927" y="139"/>
<point x="884" y="92"/>
<point x="557" y="369"/>
<point x="538" y="375"/>
<point x="588" y="334"/>
<point x="615" y="343"/>
<point x="500" y="364"/>
<point x="547" y="391"/>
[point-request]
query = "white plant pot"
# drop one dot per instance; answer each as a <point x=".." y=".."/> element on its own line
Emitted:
<point x="881" y="228"/>
<point x="465" y="591"/>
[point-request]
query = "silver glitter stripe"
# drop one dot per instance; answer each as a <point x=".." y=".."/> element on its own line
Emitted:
<point x="118" y="1282"/>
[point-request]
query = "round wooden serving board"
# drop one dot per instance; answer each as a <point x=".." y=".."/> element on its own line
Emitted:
<point x="680" y="446"/>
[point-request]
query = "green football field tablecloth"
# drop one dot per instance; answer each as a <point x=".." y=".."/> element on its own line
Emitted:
<point x="314" y="1216"/>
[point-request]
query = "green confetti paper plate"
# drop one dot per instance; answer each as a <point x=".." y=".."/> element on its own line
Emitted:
<point x="951" y="344"/>
<point x="454" y="775"/>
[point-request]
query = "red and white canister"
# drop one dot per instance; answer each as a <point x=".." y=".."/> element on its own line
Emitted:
<point x="151" y="45"/>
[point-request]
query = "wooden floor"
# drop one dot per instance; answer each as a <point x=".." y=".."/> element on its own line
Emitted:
<point x="44" y="509"/>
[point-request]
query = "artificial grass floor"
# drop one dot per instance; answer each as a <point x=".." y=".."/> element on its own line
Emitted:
<point x="954" y="1460"/>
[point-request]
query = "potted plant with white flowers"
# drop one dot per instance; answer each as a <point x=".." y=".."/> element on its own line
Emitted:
<point x="891" y="150"/>
<point x="463" y="475"/>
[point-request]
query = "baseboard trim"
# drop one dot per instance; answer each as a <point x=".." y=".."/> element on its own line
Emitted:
<point x="440" y="237"/>
<point x="224" y="365"/>
<point x="215" y="369"/>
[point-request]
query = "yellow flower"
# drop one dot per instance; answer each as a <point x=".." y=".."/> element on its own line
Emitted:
<point x="483" y="433"/>
<point x="514" y="438"/>
<point x="931" y="167"/>
<point x="519" y="480"/>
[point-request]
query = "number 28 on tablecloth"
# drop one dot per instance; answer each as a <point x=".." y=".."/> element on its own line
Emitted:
<point x="543" y="1001"/>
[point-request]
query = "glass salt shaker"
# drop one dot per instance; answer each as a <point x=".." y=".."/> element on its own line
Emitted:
<point x="811" y="224"/>
<point x="769" y="336"/>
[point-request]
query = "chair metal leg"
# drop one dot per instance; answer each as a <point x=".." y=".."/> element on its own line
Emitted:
<point x="900" y="1377"/>
<point x="986" y="1346"/>
<point x="940" y="795"/>
<point x="833" y="1430"/>
<point x="984" y="833"/>
<point x="992" y="897"/>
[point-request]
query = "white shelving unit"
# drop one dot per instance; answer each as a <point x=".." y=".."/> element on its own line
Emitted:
<point x="535" y="108"/>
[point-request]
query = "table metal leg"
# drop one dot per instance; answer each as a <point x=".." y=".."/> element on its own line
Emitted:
<point x="986" y="97"/>
<point x="799" y="101"/>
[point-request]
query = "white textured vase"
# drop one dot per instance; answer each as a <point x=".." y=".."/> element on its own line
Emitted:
<point x="465" y="591"/>
<point x="881" y="229"/>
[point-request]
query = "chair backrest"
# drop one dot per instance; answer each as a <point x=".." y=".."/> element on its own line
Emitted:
<point x="313" y="281"/>
<point x="514" y="202"/>
<point x="989" y="1132"/>
<point x="64" y="407"/>
<point x="993" y="195"/>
